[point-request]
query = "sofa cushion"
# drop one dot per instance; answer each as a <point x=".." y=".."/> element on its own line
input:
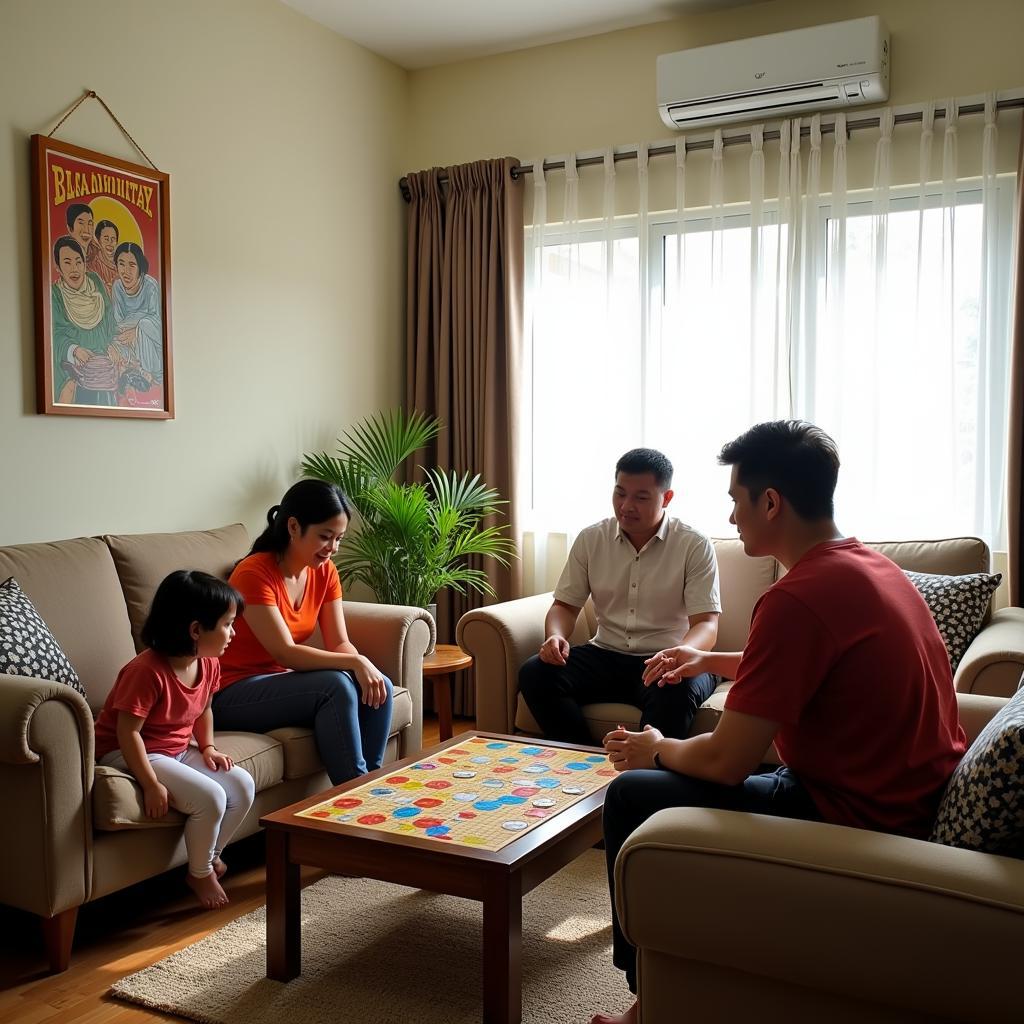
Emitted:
<point x="983" y="806"/>
<point x="74" y="587"/>
<point x="27" y="647"/>
<point x="117" y="799"/>
<point x="958" y="604"/>
<point x="144" y="559"/>
<point x="956" y="556"/>
<point x="742" y="580"/>
<point x="298" y="745"/>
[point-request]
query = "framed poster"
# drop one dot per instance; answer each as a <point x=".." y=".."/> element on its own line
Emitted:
<point x="101" y="247"/>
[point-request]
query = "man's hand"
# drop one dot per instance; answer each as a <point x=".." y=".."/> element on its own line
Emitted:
<point x="673" y="664"/>
<point x="632" y="749"/>
<point x="554" y="650"/>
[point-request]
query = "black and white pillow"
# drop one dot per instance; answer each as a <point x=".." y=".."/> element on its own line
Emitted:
<point x="983" y="806"/>
<point x="958" y="604"/>
<point x="27" y="647"/>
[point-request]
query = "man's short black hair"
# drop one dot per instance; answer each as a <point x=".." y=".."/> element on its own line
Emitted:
<point x="796" y="458"/>
<point x="647" y="460"/>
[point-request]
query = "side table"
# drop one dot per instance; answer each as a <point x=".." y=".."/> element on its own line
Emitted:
<point x="441" y="666"/>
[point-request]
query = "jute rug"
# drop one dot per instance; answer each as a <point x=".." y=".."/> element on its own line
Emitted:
<point x="383" y="954"/>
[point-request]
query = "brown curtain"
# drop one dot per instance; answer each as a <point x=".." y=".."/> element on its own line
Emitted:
<point x="464" y="304"/>
<point x="1015" y="477"/>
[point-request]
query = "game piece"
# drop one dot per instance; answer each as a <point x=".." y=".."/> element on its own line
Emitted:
<point x="425" y="801"/>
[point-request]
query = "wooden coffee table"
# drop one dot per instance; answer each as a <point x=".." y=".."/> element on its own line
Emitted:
<point x="498" y="879"/>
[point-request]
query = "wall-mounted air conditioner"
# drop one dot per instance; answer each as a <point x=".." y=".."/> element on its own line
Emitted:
<point x="810" y="69"/>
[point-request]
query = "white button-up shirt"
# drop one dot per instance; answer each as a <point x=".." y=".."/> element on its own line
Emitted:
<point x="642" y="599"/>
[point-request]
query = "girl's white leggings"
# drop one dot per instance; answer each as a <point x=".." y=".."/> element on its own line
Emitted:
<point x="215" y="801"/>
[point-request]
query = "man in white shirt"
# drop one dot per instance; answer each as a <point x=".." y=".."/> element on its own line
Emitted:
<point x="654" y="584"/>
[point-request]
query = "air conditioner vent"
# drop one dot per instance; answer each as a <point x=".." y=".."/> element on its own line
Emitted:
<point x="819" y="68"/>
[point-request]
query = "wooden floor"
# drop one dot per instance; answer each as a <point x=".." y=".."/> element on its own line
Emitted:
<point x="123" y="933"/>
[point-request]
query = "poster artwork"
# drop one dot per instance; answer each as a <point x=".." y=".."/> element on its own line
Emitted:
<point x="102" y="244"/>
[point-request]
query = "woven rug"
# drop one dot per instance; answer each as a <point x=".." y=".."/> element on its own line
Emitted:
<point x="384" y="954"/>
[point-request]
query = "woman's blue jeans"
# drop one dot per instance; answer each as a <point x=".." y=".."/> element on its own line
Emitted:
<point x="350" y="736"/>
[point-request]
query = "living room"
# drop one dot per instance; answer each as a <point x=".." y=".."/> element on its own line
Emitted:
<point x="285" y="142"/>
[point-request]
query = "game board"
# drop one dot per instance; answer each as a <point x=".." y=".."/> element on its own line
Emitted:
<point x="480" y="792"/>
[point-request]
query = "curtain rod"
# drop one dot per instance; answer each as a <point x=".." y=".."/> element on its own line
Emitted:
<point x="827" y="128"/>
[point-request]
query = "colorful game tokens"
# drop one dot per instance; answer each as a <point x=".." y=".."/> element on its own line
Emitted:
<point x="484" y="793"/>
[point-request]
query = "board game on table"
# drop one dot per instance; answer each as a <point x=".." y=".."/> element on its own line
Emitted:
<point x="454" y="819"/>
<point x="482" y="792"/>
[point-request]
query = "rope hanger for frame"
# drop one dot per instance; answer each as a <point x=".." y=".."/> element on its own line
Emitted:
<point x="91" y="94"/>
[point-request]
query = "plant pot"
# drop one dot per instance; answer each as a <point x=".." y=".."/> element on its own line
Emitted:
<point x="431" y="610"/>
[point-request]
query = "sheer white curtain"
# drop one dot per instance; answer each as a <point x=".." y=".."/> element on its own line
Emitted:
<point x="766" y="286"/>
<point x="585" y="368"/>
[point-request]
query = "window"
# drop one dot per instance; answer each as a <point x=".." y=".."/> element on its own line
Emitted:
<point x="899" y="351"/>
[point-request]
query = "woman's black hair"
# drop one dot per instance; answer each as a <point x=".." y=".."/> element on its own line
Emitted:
<point x="134" y="249"/>
<point x="184" y="597"/>
<point x="310" y="502"/>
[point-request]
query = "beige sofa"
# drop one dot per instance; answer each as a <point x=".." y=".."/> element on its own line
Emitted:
<point x="742" y="917"/>
<point x="77" y="831"/>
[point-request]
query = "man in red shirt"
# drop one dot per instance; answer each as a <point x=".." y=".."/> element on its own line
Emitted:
<point x="843" y="669"/>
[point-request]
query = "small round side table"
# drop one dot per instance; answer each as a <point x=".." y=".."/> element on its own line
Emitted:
<point x="441" y="666"/>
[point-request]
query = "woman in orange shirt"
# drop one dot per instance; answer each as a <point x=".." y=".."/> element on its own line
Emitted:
<point x="270" y="676"/>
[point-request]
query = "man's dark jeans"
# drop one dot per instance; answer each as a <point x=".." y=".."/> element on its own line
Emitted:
<point x="555" y="694"/>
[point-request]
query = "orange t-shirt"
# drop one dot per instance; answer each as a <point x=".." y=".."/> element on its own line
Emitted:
<point x="258" y="579"/>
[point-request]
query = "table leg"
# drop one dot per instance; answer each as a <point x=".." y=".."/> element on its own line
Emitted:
<point x="503" y="935"/>
<point x="284" y="931"/>
<point x="443" y="703"/>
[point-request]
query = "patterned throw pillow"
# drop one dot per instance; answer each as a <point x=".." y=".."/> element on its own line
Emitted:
<point x="27" y="647"/>
<point x="958" y="604"/>
<point x="983" y="807"/>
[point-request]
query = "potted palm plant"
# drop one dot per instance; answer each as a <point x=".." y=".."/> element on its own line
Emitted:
<point x="413" y="539"/>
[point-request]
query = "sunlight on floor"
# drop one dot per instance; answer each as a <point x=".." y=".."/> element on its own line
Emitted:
<point x="577" y="927"/>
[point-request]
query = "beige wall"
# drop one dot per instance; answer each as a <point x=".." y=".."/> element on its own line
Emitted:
<point x="282" y="141"/>
<point x="591" y="93"/>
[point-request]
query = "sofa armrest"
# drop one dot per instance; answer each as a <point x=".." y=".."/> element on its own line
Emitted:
<point x="395" y="638"/>
<point x="976" y="711"/>
<point x="994" y="663"/>
<point x="46" y="772"/>
<point x="501" y="637"/>
<point x="849" y="912"/>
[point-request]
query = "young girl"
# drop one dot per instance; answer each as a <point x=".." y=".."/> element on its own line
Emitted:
<point x="161" y="699"/>
<point x="272" y="676"/>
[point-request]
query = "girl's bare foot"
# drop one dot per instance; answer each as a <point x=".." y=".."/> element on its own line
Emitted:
<point x="219" y="867"/>
<point x="207" y="890"/>
<point x="631" y="1016"/>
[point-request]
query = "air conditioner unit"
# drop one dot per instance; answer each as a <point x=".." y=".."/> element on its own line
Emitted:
<point x="810" y="69"/>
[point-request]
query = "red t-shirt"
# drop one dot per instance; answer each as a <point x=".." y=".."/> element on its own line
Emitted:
<point x="148" y="687"/>
<point x="844" y="653"/>
<point x="258" y="579"/>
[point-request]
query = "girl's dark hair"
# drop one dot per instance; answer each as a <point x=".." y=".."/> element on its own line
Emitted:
<point x="184" y="597"/>
<point x="310" y="502"/>
<point x="133" y="249"/>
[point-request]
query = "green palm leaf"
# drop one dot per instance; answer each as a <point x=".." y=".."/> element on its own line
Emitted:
<point x="414" y="539"/>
